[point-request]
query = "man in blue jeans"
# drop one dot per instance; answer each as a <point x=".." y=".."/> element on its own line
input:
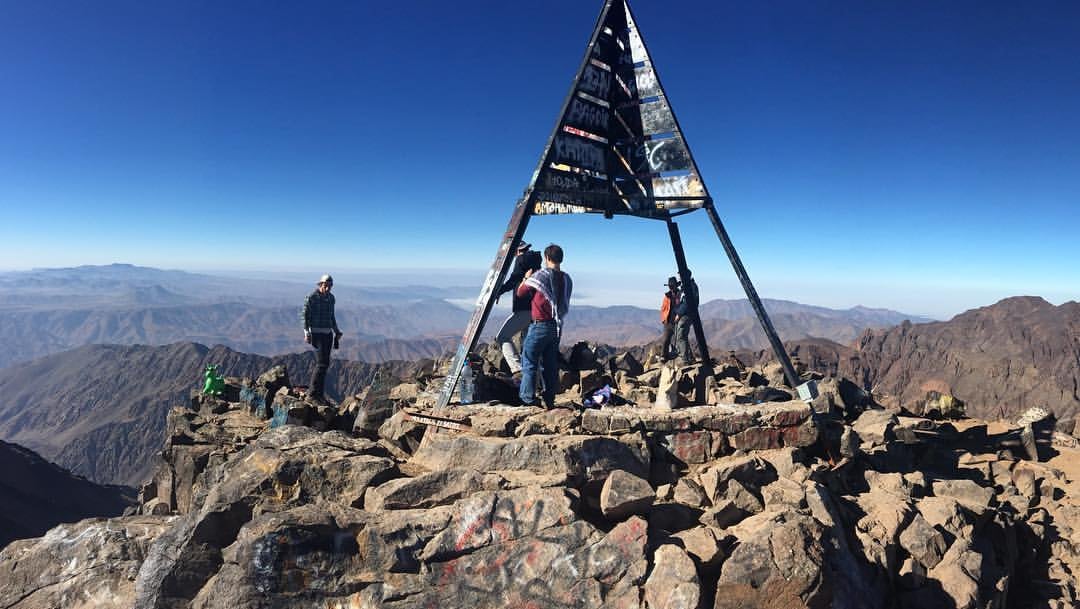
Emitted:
<point x="548" y="291"/>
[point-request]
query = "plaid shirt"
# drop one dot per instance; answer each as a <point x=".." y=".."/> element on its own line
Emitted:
<point x="318" y="315"/>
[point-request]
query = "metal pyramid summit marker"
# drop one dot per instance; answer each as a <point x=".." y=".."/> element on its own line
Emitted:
<point x="617" y="147"/>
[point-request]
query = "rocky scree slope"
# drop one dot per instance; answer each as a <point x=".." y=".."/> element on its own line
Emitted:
<point x="682" y="502"/>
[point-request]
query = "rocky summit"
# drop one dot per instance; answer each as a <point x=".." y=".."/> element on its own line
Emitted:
<point x="688" y="487"/>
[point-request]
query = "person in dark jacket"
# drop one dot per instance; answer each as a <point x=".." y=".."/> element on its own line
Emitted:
<point x="548" y="291"/>
<point x="320" y="331"/>
<point x="685" y="314"/>
<point x="667" y="318"/>
<point x="520" y="316"/>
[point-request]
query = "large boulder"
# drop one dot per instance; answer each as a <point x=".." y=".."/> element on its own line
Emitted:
<point x="673" y="583"/>
<point x="625" y="494"/>
<point x="197" y="442"/>
<point x="778" y="561"/>
<point x="968" y="492"/>
<point x="368" y="412"/>
<point x="973" y="574"/>
<point x="401" y="432"/>
<point x="844" y="397"/>
<point x="702" y="545"/>
<point x="626" y="363"/>
<point x="944" y="514"/>
<point x="279" y="559"/>
<point x="285" y="467"/>
<point x="689" y="493"/>
<point x="884" y="515"/>
<point x="90" y="564"/>
<point x="923" y="542"/>
<point x="875" y="428"/>
<point x="750" y="471"/>
<point x="582" y="356"/>
<point x="789" y="559"/>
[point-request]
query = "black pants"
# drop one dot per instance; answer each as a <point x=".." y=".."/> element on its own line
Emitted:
<point x="682" y="330"/>
<point x="666" y="342"/>
<point x="322" y="343"/>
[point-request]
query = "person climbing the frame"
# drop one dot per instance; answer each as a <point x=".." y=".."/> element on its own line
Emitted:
<point x="521" y="313"/>
<point x="667" y="318"/>
<point x="321" y="332"/>
<point x="548" y="291"/>
<point x="685" y="314"/>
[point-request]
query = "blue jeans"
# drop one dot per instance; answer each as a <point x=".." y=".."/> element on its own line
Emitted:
<point x="517" y="323"/>
<point x="540" y="349"/>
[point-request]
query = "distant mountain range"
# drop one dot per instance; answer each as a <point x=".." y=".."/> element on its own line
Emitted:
<point x="35" y="495"/>
<point x="52" y="310"/>
<point x="731" y="324"/>
<point x="125" y="286"/>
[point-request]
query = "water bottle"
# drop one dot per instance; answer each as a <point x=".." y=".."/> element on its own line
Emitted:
<point x="466" y="384"/>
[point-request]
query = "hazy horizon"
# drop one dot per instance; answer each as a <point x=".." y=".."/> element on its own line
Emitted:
<point x="593" y="289"/>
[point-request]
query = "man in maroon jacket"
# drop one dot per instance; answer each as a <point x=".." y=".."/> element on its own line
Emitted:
<point x="549" y="292"/>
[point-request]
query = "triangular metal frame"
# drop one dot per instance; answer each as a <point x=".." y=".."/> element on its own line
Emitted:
<point x="617" y="149"/>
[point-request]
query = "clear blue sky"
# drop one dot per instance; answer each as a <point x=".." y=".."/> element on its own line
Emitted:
<point x="922" y="156"/>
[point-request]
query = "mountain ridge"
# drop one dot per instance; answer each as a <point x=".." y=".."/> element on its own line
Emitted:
<point x="99" y="410"/>
<point x="1000" y="359"/>
<point x="35" y="495"/>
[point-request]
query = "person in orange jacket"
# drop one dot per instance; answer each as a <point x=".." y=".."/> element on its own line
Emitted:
<point x="667" y="318"/>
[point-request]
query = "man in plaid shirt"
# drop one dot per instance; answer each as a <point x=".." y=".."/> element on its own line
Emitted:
<point x="320" y="331"/>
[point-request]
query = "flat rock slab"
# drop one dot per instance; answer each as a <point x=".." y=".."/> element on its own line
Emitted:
<point x="725" y="418"/>
<point x="430" y="489"/>
<point x="582" y="459"/>
<point x="969" y="493"/>
<point x="498" y="420"/>
<point x="698" y="433"/>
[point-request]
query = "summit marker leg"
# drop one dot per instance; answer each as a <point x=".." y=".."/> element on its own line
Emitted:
<point x="519" y="220"/>
<point x="752" y="296"/>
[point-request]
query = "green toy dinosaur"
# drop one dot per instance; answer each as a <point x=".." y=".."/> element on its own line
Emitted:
<point x="215" y="383"/>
